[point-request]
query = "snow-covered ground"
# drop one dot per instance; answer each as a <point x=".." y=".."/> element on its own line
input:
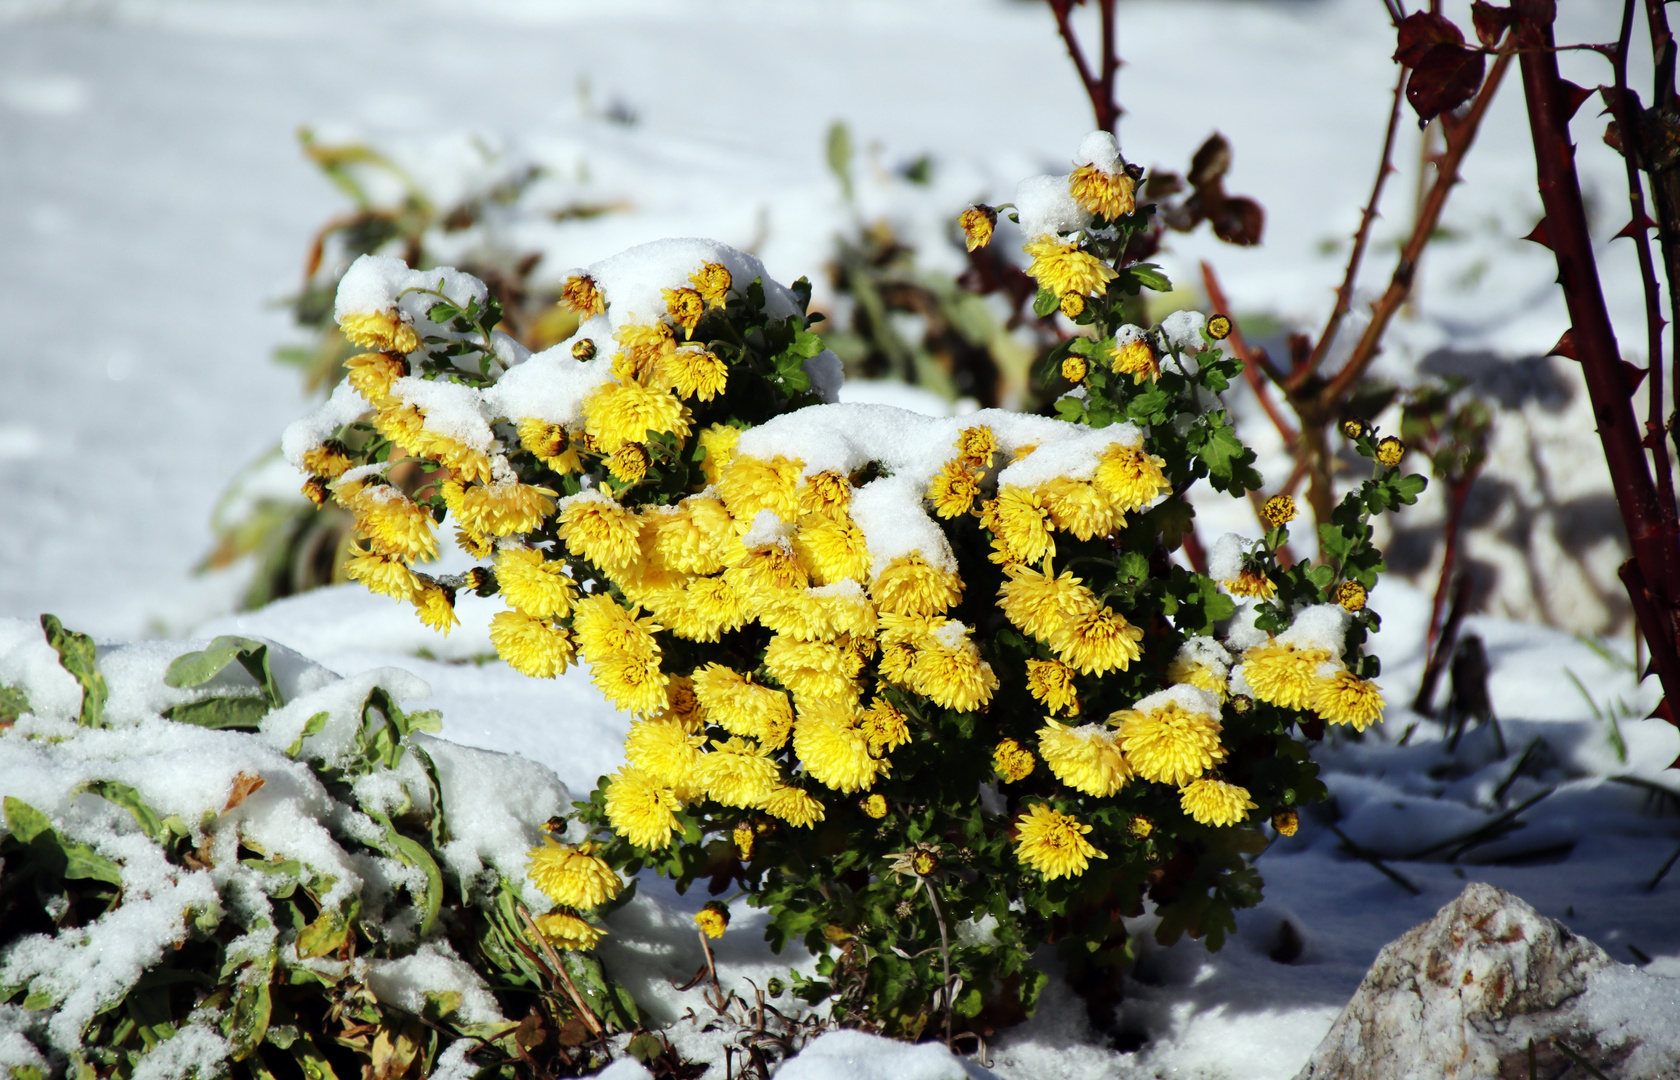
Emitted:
<point x="153" y="206"/>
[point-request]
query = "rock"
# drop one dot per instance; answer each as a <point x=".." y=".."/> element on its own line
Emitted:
<point x="1465" y="995"/>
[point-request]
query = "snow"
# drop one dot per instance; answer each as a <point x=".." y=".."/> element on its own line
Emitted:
<point x="1099" y="148"/>
<point x="142" y="381"/>
<point x="1192" y="699"/>
<point x="1044" y="206"/>
<point x="433" y="969"/>
<point x="380" y="283"/>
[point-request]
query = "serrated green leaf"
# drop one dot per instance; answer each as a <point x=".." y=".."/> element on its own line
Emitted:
<point x="77" y="655"/>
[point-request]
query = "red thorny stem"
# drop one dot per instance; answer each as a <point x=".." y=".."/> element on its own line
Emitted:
<point x="1649" y="575"/>
<point x="1099" y="87"/>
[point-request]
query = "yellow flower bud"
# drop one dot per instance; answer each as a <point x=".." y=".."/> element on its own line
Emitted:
<point x="977" y="223"/>
<point x="1286" y="822"/>
<point x="1278" y="511"/>
<point x="1073" y="305"/>
<point x="1390" y="451"/>
<point x="1074" y="368"/>
<point x="1219" y="327"/>
<point x="1351" y="595"/>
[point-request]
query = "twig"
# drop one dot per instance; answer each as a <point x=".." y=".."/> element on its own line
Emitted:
<point x="584" y="1011"/>
<point x="1480" y="835"/>
<point x="1458" y="496"/>
<point x="1361" y="238"/>
<point x="1460" y="135"/>
<point x="1099" y="88"/>
<point x="1424" y="703"/>
<point x="1372" y="858"/>
<point x="1516" y="770"/>
<point x="1249" y="357"/>
<point x="1577" y="1058"/>
<point x="1651" y="886"/>
<point x="944" y="958"/>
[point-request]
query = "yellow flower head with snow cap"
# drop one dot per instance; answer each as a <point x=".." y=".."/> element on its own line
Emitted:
<point x="1100" y="182"/>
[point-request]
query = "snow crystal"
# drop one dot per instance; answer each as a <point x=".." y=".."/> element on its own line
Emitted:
<point x="195" y="1050"/>
<point x="1225" y="558"/>
<point x="952" y="634"/>
<point x="1127" y="334"/>
<point x="1189" y="698"/>
<point x="889" y="512"/>
<point x="1206" y="652"/>
<point x="857" y="1055"/>
<point x="826" y="373"/>
<point x="1184" y="330"/>
<point x="29" y="664"/>
<point x="306" y="433"/>
<point x="1099" y="149"/>
<point x="452" y="1064"/>
<point x="1321" y="626"/>
<point x="451" y="409"/>
<point x="373" y="283"/>
<point x="342" y="701"/>
<point x="1073" y="454"/>
<point x="551" y="386"/>
<point x="433" y="969"/>
<point x="16" y="1051"/>
<point x="625" y="1068"/>
<point x="1242" y="635"/>
<point x="508" y="350"/>
<point x="1044" y="205"/>
<point x="766" y="528"/>
<point x="633" y="280"/>
<point x="498" y="831"/>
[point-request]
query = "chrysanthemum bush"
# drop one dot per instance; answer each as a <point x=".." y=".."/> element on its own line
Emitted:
<point x="935" y="692"/>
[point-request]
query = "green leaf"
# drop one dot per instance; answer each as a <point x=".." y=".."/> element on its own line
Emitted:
<point x="1045" y="303"/>
<point x="13" y="704"/>
<point x="196" y="669"/>
<point x="24" y="821"/>
<point x="313" y="726"/>
<point x="1143" y="276"/>
<point x="840" y="155"/>
<point x="1409" y="487"/>
<point x="150" y="821"/>
<point x="413" y="853"/>
<point x="241" y="713"/>
<point x="76" y="654"/>
<point x="327" y="934"/>
<point x="247" y="1023"/>
<point x="82" y="862"/>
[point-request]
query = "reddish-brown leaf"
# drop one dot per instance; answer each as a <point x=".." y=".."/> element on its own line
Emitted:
<point x="1211" y="162"/>
<point x="1445" y="77"/>
<point x="243" y="785"/>
<point x="1491" y="22"/>
<point x="1238" y="221"/>
<point x="1422" y="31"/>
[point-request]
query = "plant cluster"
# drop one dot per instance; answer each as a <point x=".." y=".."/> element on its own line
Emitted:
<point x="932" y="691"/>
<point x="248" y="886"/>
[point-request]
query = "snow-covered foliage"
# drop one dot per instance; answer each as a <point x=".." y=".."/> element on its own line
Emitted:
<point x="287" y="844"/>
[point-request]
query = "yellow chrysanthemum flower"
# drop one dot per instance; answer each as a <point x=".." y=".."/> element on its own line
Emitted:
<point x="1131" y="476"/>
<point x="1137" y="359"/>
<point x="976" y="445"/>
<point x="953" y="676"/>
<point x="1214" y="802"/>
<point x="751" y="485"/>
<point x="705" y="610"/>
<point x="552" y="445"/>
<point x="910" y="585"/>
<point x="685" y="306"/>
<point x="693" y="372"/>
<point x="387" y="575"/>
<point x="532" y="584"/>
<point x="640" y="809"/>
<point x="875" y="805"/>
<point x="371" y="375"/>
<point x="1041" y="605"/>
<point x="595" y="527"/>
<point x="669" y="752"/>
<point x="1084" y="758"/>
<point x="642" y="349"/>
<point x="603" y="627"/>
<point x="1073" y="305"/>
<point x="582" y="295"/>
<point x="953" y="491"/>
<point x="712" y="282"/>
<point x="327" y="460"/>
<point x="386" y="331"/>
<point x="1092" y="642"/>
<point x="1021" y="523"/>
<point x="617" y="413"/>
<point x="1251" y="581"/>
<point x="1053" y="843"/>
<point x="738" y="772"/>
<point x="885" y="726"/>
<point x="742" y="707"/>
<point x="832" y="550"/>
<point x="977" y="224"/>
<point x="1345" y="698"/>
<point x="393" y="523"/>
<point x="567" y="931"/>
<point x="713" y="919"/>
<point x="827" y="493"/>
<point x="1284" y="675"/>
<point x="694" y="537"/>
<point x="632" y="683"/>
<point x="1051" y="682"/>
<point x="1188" y="672"/>
<point x="765" y="571"/>
<point x="505" y="508"/>
<point x="436" y="607"/>
<point x="796" y="806"/>
<point x="1012" y="761"/>
<point x="1059" y="265"/>
<point x="530" y="646"/>
<point x="1169" y="744"/>
<point x="629" y="463"/>
<point x="833" y="748"/>
<point x="1105" y="194"/>
<point x="718" y="441"/>
<point x="813" y="669"/>
<point x="1080" y="507"/>
<point x="744" y="837"/>
<point x="574" y="877"/>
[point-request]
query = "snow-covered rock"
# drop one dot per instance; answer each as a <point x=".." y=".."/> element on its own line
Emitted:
<point x="1489" y="981"/>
